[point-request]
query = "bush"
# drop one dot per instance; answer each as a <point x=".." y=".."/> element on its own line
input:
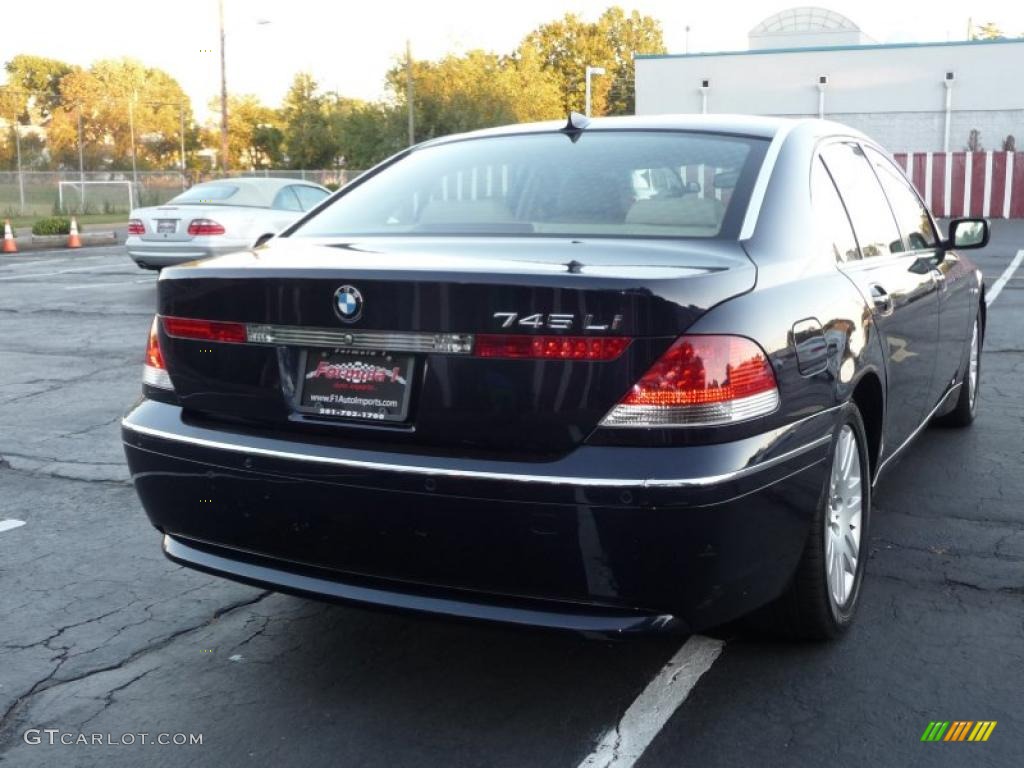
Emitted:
<point x="54" y="225"/>
<point x="333" y="186"/>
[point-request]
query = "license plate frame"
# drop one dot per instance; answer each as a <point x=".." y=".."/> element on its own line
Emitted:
<point x="166" y="226"/>
<point x="368" y="386"/>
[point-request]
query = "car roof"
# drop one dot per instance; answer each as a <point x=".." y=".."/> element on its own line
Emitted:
<point x="745" y="125"/>
<point x="257" y="190"/>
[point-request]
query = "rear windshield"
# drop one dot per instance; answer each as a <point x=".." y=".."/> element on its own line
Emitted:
<point x="206" y="193"/>
<point x="606" y="183"/>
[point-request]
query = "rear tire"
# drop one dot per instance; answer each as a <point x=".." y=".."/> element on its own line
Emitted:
<point x="820" y="602"/>
<point x="966" y="407"/>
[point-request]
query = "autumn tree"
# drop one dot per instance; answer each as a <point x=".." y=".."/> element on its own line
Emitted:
<point x="476" y="90"/>
<point x="35" y="82"/>
<point x="568" y="45"/>
<point x="115" y="96"/>
<point x="255" y="138"/>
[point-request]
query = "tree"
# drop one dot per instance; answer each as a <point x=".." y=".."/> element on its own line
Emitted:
<point x="309" y="140"/>
<point x="567" y="46"/>
<point x="113" y="94"/>
<point x="476" y="90"/>
<point x="255" y="138"/>
<point x="628" y="35"/>
<point x="38" y="79"/>
<point x="369" y="133"/>
<point x="987" y="31"/>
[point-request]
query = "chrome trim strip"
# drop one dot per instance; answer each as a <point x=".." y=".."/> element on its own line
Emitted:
<point x="763" y="177"/>
<point x="591" y="482"/>
<point x="388" y="341"/>
<point x="915" y="433"/>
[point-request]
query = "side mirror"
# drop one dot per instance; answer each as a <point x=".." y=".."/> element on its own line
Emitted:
<point x="967" y="233"/>
<point x="262" y="239"/>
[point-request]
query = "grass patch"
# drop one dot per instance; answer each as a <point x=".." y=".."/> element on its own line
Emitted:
<point x="119" y="219"/>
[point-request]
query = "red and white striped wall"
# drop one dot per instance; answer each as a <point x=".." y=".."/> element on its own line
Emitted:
<point x="953" y="184"/>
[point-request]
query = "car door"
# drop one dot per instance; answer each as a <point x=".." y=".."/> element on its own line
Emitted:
<point x="948" y="270"/>
<point x="899" y="287"/>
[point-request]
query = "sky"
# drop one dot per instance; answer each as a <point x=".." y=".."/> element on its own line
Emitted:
<point x="349" y="46"/>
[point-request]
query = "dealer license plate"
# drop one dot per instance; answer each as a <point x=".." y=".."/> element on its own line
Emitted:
<point x="356" y="384"/>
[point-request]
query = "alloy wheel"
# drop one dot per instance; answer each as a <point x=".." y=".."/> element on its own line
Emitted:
<point x="845" y="509"/>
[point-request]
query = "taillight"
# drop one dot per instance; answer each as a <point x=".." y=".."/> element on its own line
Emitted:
<point x="136" y="227"/>
<point x="550" y="347"/>
<point x="700" y="381"/>
<point x="154" y="372"/>
<point x="204" y="330"/>
<point x="205" y="227"/>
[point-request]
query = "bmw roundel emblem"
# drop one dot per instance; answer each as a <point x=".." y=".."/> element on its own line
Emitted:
<point x="348" y="303"/>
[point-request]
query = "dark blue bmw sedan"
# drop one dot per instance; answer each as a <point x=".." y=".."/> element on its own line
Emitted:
<point x="612" y="375"/>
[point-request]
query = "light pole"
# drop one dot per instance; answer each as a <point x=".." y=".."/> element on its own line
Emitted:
<point x="223" y="93"/>
<point x="591" y="71"/>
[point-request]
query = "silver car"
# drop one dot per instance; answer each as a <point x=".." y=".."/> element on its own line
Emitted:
<point x="217" y="217"/>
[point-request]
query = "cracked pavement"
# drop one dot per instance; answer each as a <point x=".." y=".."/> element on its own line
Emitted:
<point x="100" y="634"/>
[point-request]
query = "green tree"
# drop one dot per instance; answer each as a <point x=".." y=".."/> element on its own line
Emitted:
<point x="369" y="132"/>
<point x="308" y="138"/>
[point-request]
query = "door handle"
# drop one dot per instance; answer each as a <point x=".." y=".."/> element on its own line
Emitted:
<point x="881" y="299"/>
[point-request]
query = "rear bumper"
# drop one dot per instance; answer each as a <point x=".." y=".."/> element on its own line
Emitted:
<point x="154" y="253"/>
<point x="604" y="539"/>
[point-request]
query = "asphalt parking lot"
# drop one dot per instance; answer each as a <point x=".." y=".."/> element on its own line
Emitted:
<point x="99" y="634"/>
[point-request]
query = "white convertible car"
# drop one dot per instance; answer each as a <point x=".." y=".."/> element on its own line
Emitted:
<point x="217" y="217"/>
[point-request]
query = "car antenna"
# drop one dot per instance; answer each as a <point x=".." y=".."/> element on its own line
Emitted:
<point x="574" y="125"/>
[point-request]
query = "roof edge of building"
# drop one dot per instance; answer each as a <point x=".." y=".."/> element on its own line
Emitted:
<point x="802" y="49"/>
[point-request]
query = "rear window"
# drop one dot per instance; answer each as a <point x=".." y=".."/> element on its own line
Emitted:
<point x="206" y="193"/>
<point x="605" y="183"/>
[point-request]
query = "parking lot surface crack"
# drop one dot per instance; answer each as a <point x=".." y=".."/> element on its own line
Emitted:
<point x="50" y="681"/>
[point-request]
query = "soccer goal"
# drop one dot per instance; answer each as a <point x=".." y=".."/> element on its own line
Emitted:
<point x="95" y="196"/>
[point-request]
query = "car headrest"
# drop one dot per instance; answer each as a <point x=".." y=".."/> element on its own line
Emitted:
<point x="487" y="211"/>
<point x="686" y="211"/>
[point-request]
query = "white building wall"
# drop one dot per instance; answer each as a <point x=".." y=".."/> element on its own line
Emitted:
<point x="894" y="93"/>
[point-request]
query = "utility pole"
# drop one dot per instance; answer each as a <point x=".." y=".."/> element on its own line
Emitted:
<point x="408" y="91"/>
<point x="223" y="94"/>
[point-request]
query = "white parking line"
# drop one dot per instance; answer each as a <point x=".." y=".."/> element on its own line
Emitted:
<point x="1004" y="279"/>
<point x="6" y="525"/>
<point x="623" y="745"/>
<point x="99" y="269"/>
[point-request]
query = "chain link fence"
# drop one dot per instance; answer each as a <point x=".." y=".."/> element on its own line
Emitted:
<point x="41" y="193"/>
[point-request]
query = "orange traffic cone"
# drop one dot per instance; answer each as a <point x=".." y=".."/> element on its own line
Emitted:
<point x="10" y="246"/>
<point x="73" y="239"/>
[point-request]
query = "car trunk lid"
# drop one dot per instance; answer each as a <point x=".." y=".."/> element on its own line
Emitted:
<point x="428" y="307"/>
